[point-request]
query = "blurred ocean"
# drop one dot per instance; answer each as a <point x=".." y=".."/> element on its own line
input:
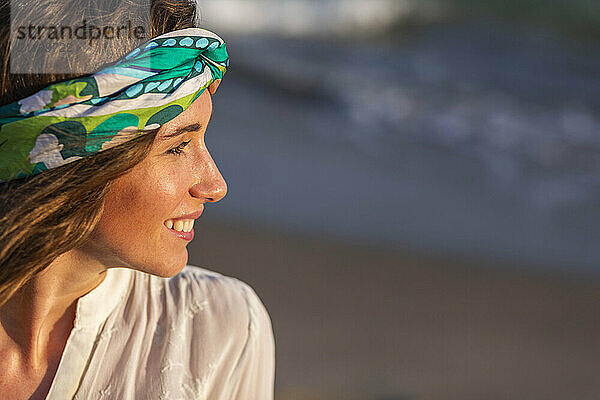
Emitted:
<point x="478" y="139"/>
<point x="462" y="152"/>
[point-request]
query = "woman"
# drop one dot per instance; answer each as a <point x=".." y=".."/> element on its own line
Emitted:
<point x="95" y="215"/>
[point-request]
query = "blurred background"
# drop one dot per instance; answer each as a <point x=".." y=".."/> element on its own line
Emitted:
<point x="414" y="193"/>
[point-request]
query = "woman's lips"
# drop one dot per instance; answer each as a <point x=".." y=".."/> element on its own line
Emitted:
<point x="183" y="235"/>
<point x="193" y="215"/>
<point x="183" y="226"/>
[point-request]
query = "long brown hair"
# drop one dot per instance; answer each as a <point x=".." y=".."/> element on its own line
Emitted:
<point x="50" y="213"/>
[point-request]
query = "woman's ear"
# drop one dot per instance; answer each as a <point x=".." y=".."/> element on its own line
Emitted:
<point x="212" y="88"/>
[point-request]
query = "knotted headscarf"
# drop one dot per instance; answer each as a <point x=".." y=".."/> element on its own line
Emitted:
<point x="73" y="119"/>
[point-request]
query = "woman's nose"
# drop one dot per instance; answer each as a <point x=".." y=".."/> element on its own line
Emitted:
<point x="210" y="184"/>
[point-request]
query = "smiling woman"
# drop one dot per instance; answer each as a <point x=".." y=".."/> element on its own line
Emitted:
<point x="104" y="176"/>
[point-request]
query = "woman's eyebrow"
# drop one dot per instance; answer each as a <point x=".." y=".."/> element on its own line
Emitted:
<point x="180" y="131"/>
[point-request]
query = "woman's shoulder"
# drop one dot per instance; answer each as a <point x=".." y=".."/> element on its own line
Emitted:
<point x="224" y="291"/>
<point x="250" y="370"/>
<point x="197" y="293"/>
<point x="199" y="329"/>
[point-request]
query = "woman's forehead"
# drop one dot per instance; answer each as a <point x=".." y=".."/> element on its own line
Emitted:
<point x="194" y="118"/>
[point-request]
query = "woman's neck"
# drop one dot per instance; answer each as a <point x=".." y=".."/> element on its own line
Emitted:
<point x="36" y="322"/>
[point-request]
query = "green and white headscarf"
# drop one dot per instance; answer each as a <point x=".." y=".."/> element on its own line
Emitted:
<point x="70" y="120"/>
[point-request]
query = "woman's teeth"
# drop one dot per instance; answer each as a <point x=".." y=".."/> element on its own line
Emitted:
<point x="180" y="225"/>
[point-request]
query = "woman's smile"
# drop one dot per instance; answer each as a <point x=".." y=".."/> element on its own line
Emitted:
<point x="183" y="233"/>
<point x="183" y="226"/>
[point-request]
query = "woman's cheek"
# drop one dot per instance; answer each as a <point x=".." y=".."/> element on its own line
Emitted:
<point x="168" y="189"/>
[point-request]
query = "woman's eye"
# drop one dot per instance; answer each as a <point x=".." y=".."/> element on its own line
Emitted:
<point x="178" y="149"/>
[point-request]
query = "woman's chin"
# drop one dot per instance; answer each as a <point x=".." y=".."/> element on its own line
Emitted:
<point x="167" y="268"/>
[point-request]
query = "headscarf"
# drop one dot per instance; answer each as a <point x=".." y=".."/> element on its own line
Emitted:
<point x="143" y="90"/>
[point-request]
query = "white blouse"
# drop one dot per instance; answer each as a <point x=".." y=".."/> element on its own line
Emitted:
<point x="197" y="335"/>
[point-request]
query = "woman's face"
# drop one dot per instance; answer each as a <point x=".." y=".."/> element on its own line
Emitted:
<point x="148" y="210"/>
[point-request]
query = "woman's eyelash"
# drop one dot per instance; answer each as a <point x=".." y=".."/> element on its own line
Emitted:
<point x="178" y="149"/>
